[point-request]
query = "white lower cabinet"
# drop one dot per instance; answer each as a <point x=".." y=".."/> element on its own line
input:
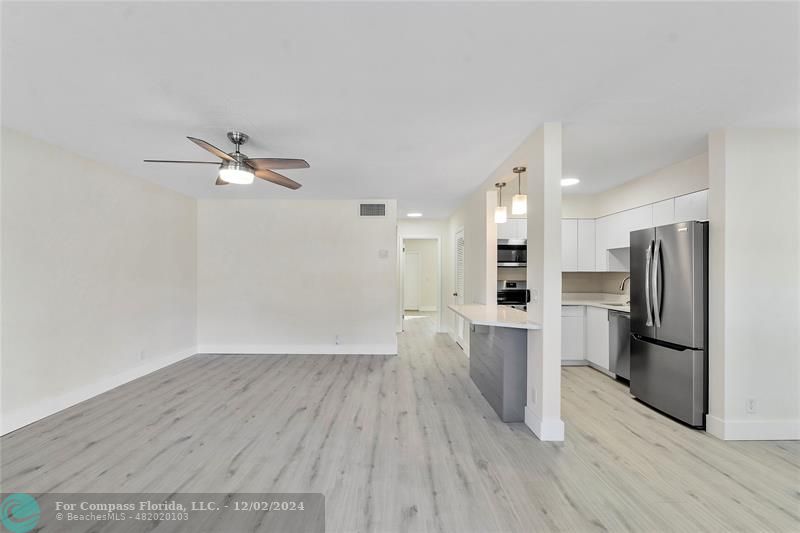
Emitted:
<point x="572" y="333"/>
<point x="597" y="337"/>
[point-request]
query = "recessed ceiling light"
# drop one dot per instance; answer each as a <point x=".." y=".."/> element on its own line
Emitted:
<point x="569" y="182"/>
<point x="414" y="215"/>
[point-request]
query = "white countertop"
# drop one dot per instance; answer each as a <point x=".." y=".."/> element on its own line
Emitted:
<point x="494" y="315"/>
<point x="596" y="299"/>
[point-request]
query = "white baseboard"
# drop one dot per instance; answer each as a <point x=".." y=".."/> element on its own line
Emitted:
<point x="48" y="406"/>
<point x="574" y="362"/>
<point x="753" y="429"/>
<point x="550" y="429"/>
<point x="300" y="349"/>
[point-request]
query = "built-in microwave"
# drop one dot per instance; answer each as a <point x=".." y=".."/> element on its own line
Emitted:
<point x="512" y="252"/>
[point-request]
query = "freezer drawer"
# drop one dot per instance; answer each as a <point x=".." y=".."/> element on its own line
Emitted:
<point x="671" y="379"/>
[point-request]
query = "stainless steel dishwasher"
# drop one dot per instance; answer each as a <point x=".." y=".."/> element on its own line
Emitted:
<point x="619" y="343"/>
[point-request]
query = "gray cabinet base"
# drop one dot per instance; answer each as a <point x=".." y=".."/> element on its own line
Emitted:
<point x="498" y="365"/>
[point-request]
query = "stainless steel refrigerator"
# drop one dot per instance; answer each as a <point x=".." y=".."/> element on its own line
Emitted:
<point x="669" y="319"/>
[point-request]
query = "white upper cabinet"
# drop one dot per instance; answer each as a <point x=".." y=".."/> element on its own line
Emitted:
<point x="692" y="206"/>
<point x="514" y="228"/>
<point x="586" y="245"/>
<point x="664" y="212"/>
<point x="600" y="245"/>
<point x="505" y="230"/>
<point x="522" y="228"/>
<point x="577" y="245"/>
<point x="569" y="245"/>
<point x="601" y="248"/>
<point x="620" y="225"/>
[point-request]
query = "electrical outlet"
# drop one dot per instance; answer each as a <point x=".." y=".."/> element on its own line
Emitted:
<point x="751" y="406"/>
<point x="337" y="340"/>
<point x="534" y="296"/>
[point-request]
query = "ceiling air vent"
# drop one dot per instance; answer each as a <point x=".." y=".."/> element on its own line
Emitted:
<point x="372" y="210"/>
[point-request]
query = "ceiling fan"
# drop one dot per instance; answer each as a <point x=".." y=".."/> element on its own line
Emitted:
<point x="237" y="168"/>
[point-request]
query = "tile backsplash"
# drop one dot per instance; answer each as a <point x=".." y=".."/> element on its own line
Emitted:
<point x="605" y="282"/>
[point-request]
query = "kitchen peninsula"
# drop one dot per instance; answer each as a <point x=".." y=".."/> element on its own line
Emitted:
<point x="498" y="348"/>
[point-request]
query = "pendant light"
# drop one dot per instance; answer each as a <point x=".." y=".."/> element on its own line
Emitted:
<point x="519" y="204"/>
<point x="501" y="211"/>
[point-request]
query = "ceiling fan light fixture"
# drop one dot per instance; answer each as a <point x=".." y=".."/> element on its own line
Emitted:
<point x="235" y="172"/>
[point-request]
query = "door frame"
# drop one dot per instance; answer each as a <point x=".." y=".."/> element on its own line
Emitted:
<point x="401" y="275"/>
<point x="459" y="323"/>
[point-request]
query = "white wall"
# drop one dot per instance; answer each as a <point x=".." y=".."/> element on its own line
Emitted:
<point x="681" y="178"/>
<point x="475" y="217"/>
<point x="754" y="223"/>
<point x="98" y="278"/>
<point x="296" y="276"/>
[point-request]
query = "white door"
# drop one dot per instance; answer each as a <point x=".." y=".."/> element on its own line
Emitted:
<point x="411" y="281"/>
<point x="459" y="288"/>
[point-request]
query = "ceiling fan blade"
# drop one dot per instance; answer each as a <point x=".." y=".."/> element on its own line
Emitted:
<point x="211" y="148"/>
<point x="220" y="181"/>
<point x="274" y="177"/>
<point x="174" y="161"/>
<point x="276" y="163"/>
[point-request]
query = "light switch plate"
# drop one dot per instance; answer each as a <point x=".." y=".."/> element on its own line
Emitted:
<point x="383" y="254"/>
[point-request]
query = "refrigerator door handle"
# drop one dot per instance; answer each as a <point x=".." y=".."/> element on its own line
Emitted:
<point x="656" y="303"/>
<point x="647" y="258"/>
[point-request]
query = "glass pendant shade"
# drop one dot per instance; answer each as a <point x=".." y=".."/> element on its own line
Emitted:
<point x="500" y="214"/>
<point x="519" y="204"/>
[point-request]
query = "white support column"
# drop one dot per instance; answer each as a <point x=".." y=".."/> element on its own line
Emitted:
<point x="491" y="250"/>
<point x="543" y="409"/>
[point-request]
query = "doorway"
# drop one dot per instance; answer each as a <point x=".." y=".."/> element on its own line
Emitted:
<point x="421" y="279"/>
<point x="459" y="285"/>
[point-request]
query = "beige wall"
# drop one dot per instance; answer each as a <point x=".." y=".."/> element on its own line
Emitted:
<point x="595" y="282"/>
<point x="98" y="278"/>
<point x="754" y="282"/>
<point x="675" y="180"/>
<point x="296" y="276"/>
<point x="428" y="251"/>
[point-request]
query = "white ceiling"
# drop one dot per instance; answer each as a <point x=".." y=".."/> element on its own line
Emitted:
<point x="413" y="101"/>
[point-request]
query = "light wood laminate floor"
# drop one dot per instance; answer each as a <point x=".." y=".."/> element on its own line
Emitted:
<point x="406" y="443"/>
